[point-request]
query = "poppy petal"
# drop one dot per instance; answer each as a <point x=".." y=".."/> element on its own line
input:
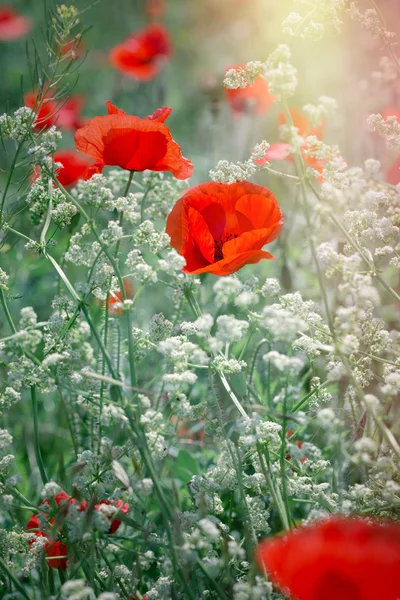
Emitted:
<point x="337" y="558"/>
<point x="94" y="169"/>
<point x="261" y="211"/>
<point x="249" y="240"/>
<point x="113" y="110"/>
<point x="174" y="162"/>
<point x="232" y="265"/>
<point x="161" y="114"/>
<point x="177" y="225"/>
<point x="201" y="234"/>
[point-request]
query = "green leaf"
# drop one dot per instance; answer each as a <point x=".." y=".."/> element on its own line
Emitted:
<point x="238" y="384"/>
<point x="184" y="467"/>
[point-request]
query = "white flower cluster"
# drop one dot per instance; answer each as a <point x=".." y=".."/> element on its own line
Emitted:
<point x="19" y="126"/>
<point x="318" y="113"/>
<point x="47" y="144"/>
<point x="126" y="205"/>
<point x="39" y="198"/>
<point x="226" y="172"/>
<point x="147" y="235"/>
<point x="180" y="352"/>
<point x="161" y="194"/>
<point x="139" y="268"/>
<point x="285" y="364"/>
<point x="294" y="26"/>
<point x="3" y="279"/>
<point x="94" y="192"/>
<point x="371" y="21"/>
<point x="244" y="76"/>
<point x="172" y="264"/>
<point x="280" y="74"/>
<point x="230" y="329"/>
<point x="226" y="289"/>
<point x="388" y="128"/>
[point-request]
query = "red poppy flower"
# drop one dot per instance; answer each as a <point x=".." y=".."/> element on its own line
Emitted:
<point x="115" y="298"/>
<point x="12" y="25"/>
<point x="341" y="558"/>
<point x="218" y="228"/>
<point x="120" y="506"/>
<point x="135" y="144"/>
<point x="255" y="98"/>
<point x="142" y="54"/>
<point x="281" y="151"/>
<point x="59" y="552"/>
<point x="62" y="113"/>
<point x="73" y="168"/>
<point x="53" y="548"/>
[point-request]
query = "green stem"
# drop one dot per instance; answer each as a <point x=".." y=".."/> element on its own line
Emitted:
<point x="301" y="402"/>
<point x="19" y="234"/>
<point x="115" y="269"/>
<point x="197" y="312"/>
<point x="237" y="463"/>
<point x="98" y="339"/>
<point x="10" y="174"/>
<point x="11" y="577"/>
<point x="282" y="458"/>
<point x="36" y="444"/>
<point x="232" y="395"/>
<point x="7" y="312"/>
<point x="275" y="492"/>
<point x="253" y="363"/>
<point x="212" y="581"/>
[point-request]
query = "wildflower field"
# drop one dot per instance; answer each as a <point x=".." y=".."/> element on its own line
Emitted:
<point x="200" y="300"/>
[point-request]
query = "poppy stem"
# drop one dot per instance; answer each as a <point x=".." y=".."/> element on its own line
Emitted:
<point x="129" y="182"/>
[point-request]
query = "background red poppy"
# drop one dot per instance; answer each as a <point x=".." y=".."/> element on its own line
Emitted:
<point x="13" y="25"/>
<point x="253" y="99"/>
<point x="141" y="55"/>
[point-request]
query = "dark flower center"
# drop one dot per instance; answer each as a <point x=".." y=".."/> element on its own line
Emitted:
<point x="218" y="244"/>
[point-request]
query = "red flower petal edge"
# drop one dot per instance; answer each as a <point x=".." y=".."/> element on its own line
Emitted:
<point x="340" y="558"/>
